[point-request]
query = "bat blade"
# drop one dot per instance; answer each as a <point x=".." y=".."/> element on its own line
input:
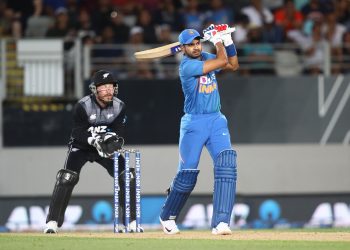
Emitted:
<point x="159" y="52"/>
<point x="166" y="50"/>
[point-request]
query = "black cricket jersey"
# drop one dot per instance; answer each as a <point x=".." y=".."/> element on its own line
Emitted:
<point x="89" y="118"/>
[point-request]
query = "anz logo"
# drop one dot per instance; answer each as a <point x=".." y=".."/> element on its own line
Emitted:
<point x="97" y="129"/>
<point x="207" y="84"/>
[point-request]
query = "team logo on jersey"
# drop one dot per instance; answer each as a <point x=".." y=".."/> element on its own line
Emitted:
<point x="207" y="84"/>
<point x="109" y="116"/>
<point x="93" y="117"/>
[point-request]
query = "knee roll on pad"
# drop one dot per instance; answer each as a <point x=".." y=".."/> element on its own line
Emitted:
<point x="65" y="182"/>
<point x="185" y="180"/>
<point x="226" y="159"/>
<point x="225" y="176"/>
<point x="67" y="177"/>
<point x="182" y="186"/>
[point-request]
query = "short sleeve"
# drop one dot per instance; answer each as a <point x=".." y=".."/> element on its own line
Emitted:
<point x="192" y="68"/>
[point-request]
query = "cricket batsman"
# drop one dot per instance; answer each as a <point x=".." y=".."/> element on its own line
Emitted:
<point x="204" y="125"/>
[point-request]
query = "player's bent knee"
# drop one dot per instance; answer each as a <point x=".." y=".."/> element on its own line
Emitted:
<point x="185" y="180"/>
<point x="225" y="165"/>
<point x="226" y="158"/>
<point x="67" y="177"/>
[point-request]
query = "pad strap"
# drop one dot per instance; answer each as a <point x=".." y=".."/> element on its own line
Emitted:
<point x="181" y="188"/>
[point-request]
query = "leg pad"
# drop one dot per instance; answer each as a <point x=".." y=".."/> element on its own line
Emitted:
<point x="65" y="182"/>
<point x="180" y="190"/>
<point x="225" y="176"/>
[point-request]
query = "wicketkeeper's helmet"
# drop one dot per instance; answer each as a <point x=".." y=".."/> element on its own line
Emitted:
<point x="103" y="77"/>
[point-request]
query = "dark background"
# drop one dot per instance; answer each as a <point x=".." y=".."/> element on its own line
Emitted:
<point x="258" y="109"/>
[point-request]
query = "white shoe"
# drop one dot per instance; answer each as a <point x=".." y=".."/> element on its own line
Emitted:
<point x="169" y="226"/>
<point x="121" y="228"/>
<point x="132" y="227"/>
<point x="221" y="229"/>
<point x="51" y="227"/>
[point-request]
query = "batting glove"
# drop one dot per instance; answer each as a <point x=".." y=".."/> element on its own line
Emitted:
<point x="225" y="34"/>
<point x="212" y="35"/>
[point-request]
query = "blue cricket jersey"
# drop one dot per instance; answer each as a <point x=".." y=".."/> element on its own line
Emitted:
<point x="200" y="91"/>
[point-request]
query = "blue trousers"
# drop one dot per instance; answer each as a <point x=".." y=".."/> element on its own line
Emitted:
<point x="196" y="131"/>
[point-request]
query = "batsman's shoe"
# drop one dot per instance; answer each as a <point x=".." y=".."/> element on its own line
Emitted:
<point x="169" y="226"/>
<point x="221" y="229"/>
<point x="51" y="227"/>
<point x="132" y="227"/>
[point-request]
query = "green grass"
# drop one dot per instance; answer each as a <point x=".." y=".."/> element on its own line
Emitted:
<point x="150" y="244"/>
<point x="97" y="241"/>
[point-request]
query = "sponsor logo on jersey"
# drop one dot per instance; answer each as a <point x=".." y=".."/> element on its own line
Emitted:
<point x="207" y="84"/>
<point x="97" y="129"/>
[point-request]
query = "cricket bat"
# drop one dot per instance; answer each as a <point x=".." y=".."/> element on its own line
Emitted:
<point x="159" y="52"/>
<point x="164" y="51"/>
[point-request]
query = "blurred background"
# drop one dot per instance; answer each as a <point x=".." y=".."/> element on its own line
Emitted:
<point x="288" y="107"/>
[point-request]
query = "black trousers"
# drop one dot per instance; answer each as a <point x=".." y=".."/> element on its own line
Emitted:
<point x="77" y="158"/>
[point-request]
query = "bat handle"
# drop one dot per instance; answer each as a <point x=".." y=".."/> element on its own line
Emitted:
<point x="174" y="50"/>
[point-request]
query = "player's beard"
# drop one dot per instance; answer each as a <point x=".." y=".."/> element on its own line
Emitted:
<point x="106" y="98"/>
<point x="196" y="53"/>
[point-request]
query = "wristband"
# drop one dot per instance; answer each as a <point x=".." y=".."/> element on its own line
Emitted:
<point x="231" y="50"/>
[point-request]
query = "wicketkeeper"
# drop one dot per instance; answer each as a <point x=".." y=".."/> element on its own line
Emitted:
<point x="99" y="121"/>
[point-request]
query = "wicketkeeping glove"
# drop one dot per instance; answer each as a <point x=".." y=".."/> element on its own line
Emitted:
<point x="211" y="34"/>
<point x="225" y="34"/>
<point x="106" y="144"/>
<point x="96" y="141"/>
<point x="111" y="142"/>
